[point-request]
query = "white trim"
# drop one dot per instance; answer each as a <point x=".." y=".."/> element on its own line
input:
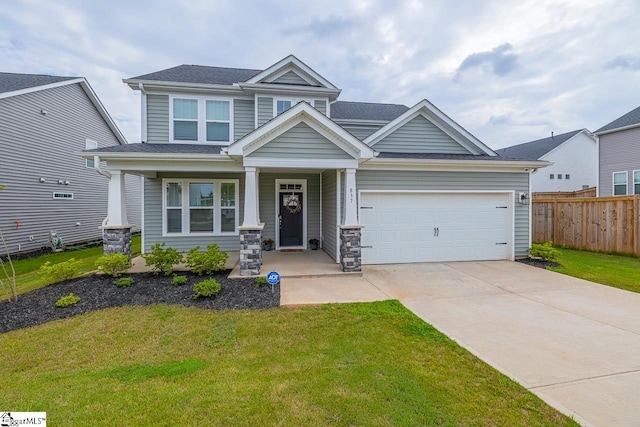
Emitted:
<point x="530" y="214"/>
<point x="94" y="145"/>
<point x="143" y="113"/>
<point x="452" y="164"/>
<point x="598" y="166"/>
<point x="303" y="182"/>
<point x="41" y="87"/>
<point x="338" y="214"/>
<point x="633" y="182"/>
<point x="142" y="230"/>
<point x="320" y="240"/>
<point x="266" y="162"/>
<point x="620" y="129"/>
<point x="185" y="207"/>
<point x="287" y="63"/>
<point x="587" y="134"/>
<point x="626" y="183"/>
<point x="202" y="119"/>
<point x="510" y="206"/>
<point x="294" y="101"/>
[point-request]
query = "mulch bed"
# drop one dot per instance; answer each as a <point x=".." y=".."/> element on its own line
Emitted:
<point x="538" y="263"/>
<point x="99" y="292"/>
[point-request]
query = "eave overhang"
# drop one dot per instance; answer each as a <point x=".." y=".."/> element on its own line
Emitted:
<point x="455" y="165"/>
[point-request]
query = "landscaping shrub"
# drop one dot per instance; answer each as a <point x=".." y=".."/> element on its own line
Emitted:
<point x="67" y="300"/>
<point x="61" y="271"/>
<point x="124" y="282"/>
<point x="162" y="260"/>
<point x="206" y="288"/>
<point x="261" y="281"/>
<point x="179" y="280"/>
<point x="544" y="251"/>
<point x="207" y="262"/>
<point x="113" y="264"/>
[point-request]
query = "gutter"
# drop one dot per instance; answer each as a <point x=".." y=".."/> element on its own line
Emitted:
<point x="143" y="113"/>
<point x="96" y="166"/>
<point x="605" y="132"/>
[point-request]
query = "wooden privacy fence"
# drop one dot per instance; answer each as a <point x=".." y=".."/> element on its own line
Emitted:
<point x="603" y="224"/>
<point x="589" y="192"/>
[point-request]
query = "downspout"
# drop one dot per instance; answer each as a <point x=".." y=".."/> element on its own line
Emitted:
<point x="96" y="166"/>
<point x="143" y="113"/>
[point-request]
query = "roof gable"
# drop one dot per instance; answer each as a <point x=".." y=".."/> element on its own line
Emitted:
<point x="440" y="121"/>
<point x="12" y="82"/>
<point x="534" y="150"/>
<point x="289" y="65"/>
<point x="629" y="120"/>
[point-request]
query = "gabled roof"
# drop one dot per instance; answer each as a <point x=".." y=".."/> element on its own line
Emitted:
<point x="287" y="64"/>
<point x="344" y="110"/>
<point x="439" y="119"/>
<point x="629" y="120"/>
<point x="534" y="150"/>
<point x="20" y="84"/>
<point x="199" y="74"/>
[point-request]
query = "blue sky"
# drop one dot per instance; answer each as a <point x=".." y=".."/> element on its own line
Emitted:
<point x="509" y="72"/>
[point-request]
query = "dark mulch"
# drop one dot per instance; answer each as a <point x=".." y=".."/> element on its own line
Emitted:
<point x="98" y="292"/>
<point x="538" y="263"/>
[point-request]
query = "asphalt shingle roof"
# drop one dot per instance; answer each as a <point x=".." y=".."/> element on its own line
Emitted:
<point x="343" y="110"/>
<point x="10" y="82"/>
<point x="159" y="149"/>
<point x="200" y="74"/>
<point x="442" y="156"/>
<point x="631" y="118"/>
<point x="533" y="150"/>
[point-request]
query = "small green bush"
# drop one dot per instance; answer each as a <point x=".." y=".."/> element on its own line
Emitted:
<point x="206" y="288"/>
<point x="179" y="280"/>
<point x="113" y="264"/>
<point x="162" y="260"/>
<point x="65" y="270"/>
<point x="544" y="251"/>
<point x="67" y="300"/>
<point x="261" y="281"/>
<point x="207" y="262"/>
<point x="124" y="282"/>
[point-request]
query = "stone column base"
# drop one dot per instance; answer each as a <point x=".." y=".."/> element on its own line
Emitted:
<point x="350" y="249"/>
<point x="117" y="239"/>
<point x="250" y="250"/>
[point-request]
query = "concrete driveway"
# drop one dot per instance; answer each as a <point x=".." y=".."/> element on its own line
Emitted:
<point x="574" y="343"/>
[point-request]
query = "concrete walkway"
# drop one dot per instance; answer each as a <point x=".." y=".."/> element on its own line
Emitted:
<point x="574" y="343"/>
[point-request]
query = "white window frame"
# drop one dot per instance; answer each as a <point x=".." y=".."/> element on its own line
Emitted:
<point x="185" y="208"/>
<point x="90" y="144"/>
<point x="294" y="102"/>
<point x="636" y="181"/>
<point x="626" y="183"/>
<point x="202" y="119"/>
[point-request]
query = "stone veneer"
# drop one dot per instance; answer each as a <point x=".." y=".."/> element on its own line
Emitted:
<point x="350" y="249"/>
<point x="117" y="239"/>
<point x="250" y="250"/>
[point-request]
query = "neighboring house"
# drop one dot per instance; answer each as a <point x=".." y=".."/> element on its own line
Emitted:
<point x="44" y="122"/>
<point x="574" y="156"/>
<point x="619" y="156"/>
<point x="232" y="156"/>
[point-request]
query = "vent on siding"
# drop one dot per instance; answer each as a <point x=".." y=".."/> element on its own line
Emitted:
<point x="67" y="196"/>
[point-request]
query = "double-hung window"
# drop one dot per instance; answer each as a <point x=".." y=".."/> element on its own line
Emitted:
<point x="282" y="105"/>
<point x="200" y="206"/>
<point x="636" y="182"/>
<point x="201" y="120"/>
<point x="620" y="183"/>
<point x="90" y="145"/>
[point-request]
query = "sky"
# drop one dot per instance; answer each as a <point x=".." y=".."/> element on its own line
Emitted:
<point x="507" y="71"/>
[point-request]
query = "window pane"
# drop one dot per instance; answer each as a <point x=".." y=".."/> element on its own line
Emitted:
<point x="217" y="110"/>
<point x="620" y="190"/>
<point x="228" y="194"/>
<point x="217" y="131"/>
<point x="174" y="220"/>
<point x="282" y="106"/>
<point x="201" y="194"/>
<point x="201" y="220"/>
<point x="174" y="194"/>
<point x="228" y="218"/>
<point x="636" y="182"/>
<point x="185" y="131"/>
<point x="636" y="189"/>
<point x="620" y="178"/>
<point x="185" y="109"/>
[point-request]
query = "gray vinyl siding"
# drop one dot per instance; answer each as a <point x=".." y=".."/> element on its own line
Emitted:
<point x="462" y="181"/>
<point x="153" y="215"/>
<point x="268" y="200"/>
<point x="329" y="216"/>
<point x="243" y="117"/>
<point x="265" y="110"/>
<point x="34" y="146"/>
<point x="133" y="189"/>
<point x="321" y="106"/>
<point x="291" y="78"/>
<point x="361" y="131"/>
<point x="419" y="135"/>
<point x="619" y="152"/>
<point x="158" y="119"/>
<point x="301" y="141"/>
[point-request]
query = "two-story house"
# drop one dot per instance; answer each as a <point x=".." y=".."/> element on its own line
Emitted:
<point x="574" y="158"/>
<point x="44" y="122"/>
<point x="233" y="156"/>
<point x="619" y="156"/>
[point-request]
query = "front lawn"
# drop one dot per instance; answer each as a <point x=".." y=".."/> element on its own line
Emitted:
<point x="351" y="364"/>
<point x="621" y="272"/>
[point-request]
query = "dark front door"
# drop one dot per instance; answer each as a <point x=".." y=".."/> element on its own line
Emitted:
<point x="291" y="222"/>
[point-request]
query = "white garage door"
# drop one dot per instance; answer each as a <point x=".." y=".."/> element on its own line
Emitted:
<point x="426" y="227"/>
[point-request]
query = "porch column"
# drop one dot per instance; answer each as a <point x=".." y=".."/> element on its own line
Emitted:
<point x="116" y="230"/>
<point x="250" y="197"/>
<point x="350" y="203"/>
<point x="251" y="230"/>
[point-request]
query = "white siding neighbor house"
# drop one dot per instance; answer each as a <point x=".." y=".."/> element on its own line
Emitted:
<point x="619" y="156"/>
<point x="574" y="156"/>
<point x="233" y="156"/>
<point x="44" y="122"/>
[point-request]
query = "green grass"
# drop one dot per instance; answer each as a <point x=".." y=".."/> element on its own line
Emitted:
<point x="27" y="278"/>
<point x="352" y="364"/>
<point x="619" y="271"/>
